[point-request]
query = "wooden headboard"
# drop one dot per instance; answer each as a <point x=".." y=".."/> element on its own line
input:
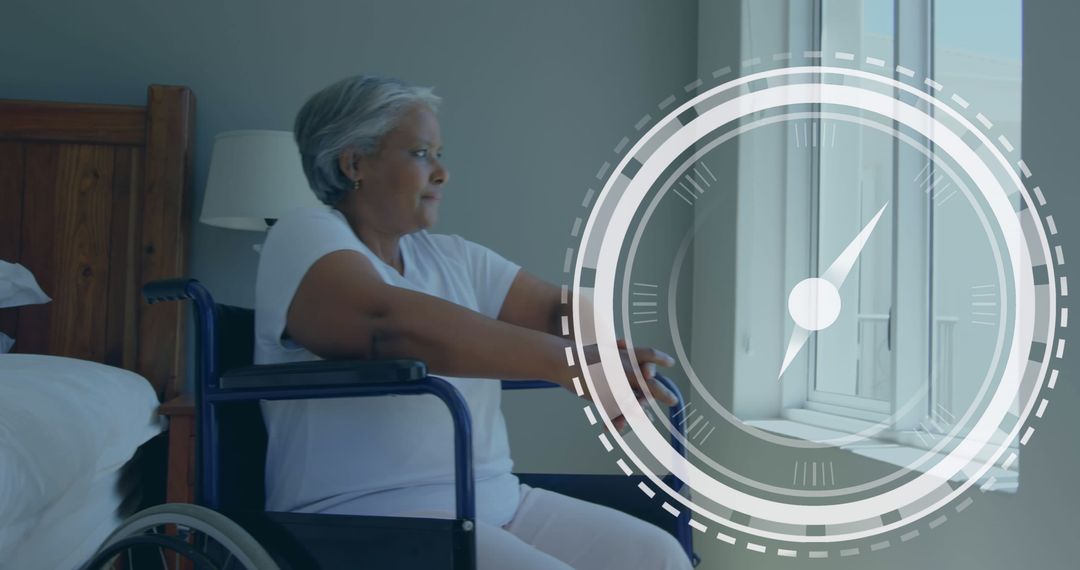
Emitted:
<point x="94" y="201"/>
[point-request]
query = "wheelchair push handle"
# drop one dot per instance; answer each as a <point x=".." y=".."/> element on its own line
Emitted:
<point x="168" y="290"/>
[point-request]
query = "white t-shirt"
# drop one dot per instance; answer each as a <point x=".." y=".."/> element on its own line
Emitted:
<point x="387" y="455"/>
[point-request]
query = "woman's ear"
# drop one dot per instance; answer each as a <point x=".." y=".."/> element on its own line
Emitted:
<point x="349" y="161"/>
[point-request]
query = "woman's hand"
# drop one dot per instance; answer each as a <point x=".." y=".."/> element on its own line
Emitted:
<point x="646" y="359"/>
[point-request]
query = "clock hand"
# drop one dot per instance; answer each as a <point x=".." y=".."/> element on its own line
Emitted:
<point x="798" y="338"/>
<point x="838" y="271"/>
<point x="814" y="303"/>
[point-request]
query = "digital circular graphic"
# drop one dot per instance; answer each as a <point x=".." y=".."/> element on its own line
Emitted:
<point x="903" y="317"/>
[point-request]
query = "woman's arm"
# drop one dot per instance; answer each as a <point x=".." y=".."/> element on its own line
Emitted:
<point x="536" y="304"/>
<point x="343" y="309"/>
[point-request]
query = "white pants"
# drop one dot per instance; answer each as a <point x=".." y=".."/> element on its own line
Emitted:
<point x="551" y="531"/>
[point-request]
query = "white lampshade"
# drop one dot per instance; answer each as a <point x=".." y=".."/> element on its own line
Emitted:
<point x="254" y="176"/>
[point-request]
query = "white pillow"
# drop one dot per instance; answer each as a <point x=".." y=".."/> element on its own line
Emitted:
<point x="6" y="342"/>
<point x="18" y="287"/>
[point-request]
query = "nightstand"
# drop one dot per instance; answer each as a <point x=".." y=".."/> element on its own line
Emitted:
<point x="180" y="482"/>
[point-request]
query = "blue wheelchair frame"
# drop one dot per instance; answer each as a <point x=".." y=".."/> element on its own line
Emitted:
<point x="340" y="379"/>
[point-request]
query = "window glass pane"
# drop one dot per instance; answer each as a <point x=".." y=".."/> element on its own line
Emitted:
<point x="855" y="175"/>
<point x="977" y="55"/>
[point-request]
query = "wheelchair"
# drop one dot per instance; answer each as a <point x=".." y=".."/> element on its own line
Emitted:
<point x="229" y="527"/>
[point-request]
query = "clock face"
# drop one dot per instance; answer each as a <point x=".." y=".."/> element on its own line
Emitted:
<point x="861" y="330"/>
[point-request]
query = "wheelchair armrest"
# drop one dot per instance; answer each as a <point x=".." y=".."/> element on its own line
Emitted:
<point x="531" y="384"/>
<point x="320" y="373"/>
<point x="527" y="384"/>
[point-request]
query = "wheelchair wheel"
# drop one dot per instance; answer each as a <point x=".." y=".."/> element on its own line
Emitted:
<point x="180" y="535"/>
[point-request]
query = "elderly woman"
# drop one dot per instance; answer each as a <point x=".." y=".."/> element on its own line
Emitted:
<point x="365" y="279"/>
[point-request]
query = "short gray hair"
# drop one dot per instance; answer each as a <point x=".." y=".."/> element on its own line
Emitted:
<point x="353" y="113"/>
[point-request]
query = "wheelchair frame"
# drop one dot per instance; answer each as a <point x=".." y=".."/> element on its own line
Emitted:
<point x="337" y="379"/>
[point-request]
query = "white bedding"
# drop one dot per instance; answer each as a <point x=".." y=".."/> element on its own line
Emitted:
<point x="68" y="532"/>
<point x="66" y="428"/>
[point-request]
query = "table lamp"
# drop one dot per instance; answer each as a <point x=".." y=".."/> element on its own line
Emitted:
<point x="255" y="177"/>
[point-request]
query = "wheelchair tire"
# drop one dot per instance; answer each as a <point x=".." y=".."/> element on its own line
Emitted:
<point x="230" y="540"/>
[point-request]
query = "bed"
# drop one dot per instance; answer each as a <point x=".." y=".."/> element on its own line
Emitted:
<point x="94" y="202"/>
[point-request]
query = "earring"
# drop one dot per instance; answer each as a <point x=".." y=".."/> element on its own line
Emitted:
<point x="356" y="184"/>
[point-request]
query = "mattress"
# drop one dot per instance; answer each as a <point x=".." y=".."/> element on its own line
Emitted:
<point x="67" y="429"/>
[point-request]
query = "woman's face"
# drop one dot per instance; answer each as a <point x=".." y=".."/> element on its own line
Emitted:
<point x="401" y="184"/>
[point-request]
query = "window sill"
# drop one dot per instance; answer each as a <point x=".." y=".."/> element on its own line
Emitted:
<point x="896" y="448"/>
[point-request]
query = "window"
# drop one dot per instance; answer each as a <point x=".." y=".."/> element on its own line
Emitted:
<point x="871" y="366"/>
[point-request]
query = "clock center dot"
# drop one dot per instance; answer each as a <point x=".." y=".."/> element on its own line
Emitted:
<point x="814" y="304"/>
